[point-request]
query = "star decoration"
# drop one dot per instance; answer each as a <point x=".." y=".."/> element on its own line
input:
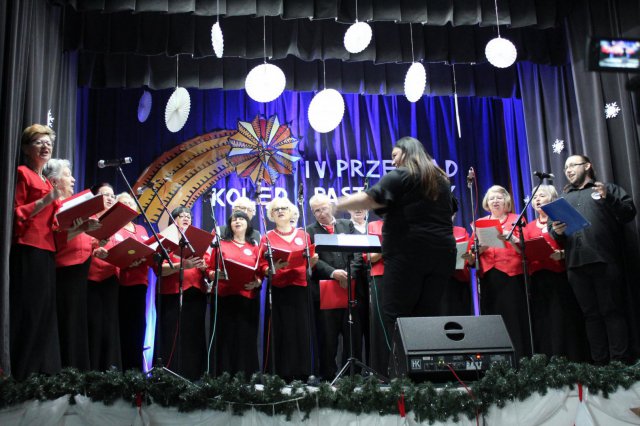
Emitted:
<point x="526" y="199"/>
<point x="611" y="110"/>
<point x="558" y="146"/>
<point x="50" y="119"/>
<point x="263" y="149"/>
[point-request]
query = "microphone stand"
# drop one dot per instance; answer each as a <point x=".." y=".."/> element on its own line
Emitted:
<point x="270" y="273"/>
<point x="159" y="257"/>
<point x="475" y="248"/>
<point x="217" y="275"/>
<point x="184" y="242"/>
<point x="525" y="265"/>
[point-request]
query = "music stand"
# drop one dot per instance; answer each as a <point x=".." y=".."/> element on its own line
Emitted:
<point x="350" y="243"/>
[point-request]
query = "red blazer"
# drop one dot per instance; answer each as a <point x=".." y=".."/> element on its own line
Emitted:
<point x="99" y="269"/>
<point x="532" y="231"/>
<point x="139" y="274"/>
<point x="286" y="276"/>
<point x="461" y="234"/>
<point x="375" y="228"/>
<point x="73" y="252"/>
<point x="507" y="259"/>
<point x="193" y="277"/>
<point x="36" y="231"/>
<point x="247" y="255"/>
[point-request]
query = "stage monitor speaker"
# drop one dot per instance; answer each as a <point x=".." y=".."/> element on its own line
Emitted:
<point x="427" y="348"/>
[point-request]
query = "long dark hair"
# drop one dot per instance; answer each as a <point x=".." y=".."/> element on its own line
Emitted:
<point x="227" y="235"/>
<point x="420" y="165"/>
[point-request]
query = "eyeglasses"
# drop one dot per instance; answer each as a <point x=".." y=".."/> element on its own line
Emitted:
<point x="42" y="142"/>
<point x="573" y="165"/>
<point x="184" y="216"/>
<point x="242" y="209"/>
<point x="321" y="210"/>
<point x="279" y="209"/>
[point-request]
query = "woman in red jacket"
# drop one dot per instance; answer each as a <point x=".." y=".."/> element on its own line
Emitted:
<point x="32" y="267"/>
<point x="183" y="341"/>
<point x="102" y="298"/>
<point x="238" y="309"/>
<point x="502" y="283"/>
<point x="132" y="300"/>
<point x="558" y="324"/>
<point x="73" y="257"/>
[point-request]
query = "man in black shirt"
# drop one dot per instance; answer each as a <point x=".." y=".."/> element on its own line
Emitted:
<point x="593" y="258"/>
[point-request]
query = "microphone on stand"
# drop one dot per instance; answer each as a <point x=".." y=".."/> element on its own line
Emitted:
<point x="544" y="175"/>
<point x="470" y="177"/>
<point x="366" y="182"/>
<point x="300" y="194"/>
<point x="114" y="163"/>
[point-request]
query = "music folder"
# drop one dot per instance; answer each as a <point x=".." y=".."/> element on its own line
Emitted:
<point x="538" y="249"/>
<point x="332" y="296"/>
<point x="294" y="258"/>
<point x="81" y="205"/>
<point x="113" y="220"/>
<point x="352" y="243"/>
<point x="128" y="251"/>
<point x="488" y="231"/>
<point x="239" y="273"/>
<point x="560" y="210"/>
<point x="199" y="239"/>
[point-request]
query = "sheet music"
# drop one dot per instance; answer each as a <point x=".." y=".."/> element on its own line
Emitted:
<point x="488" y="237"/>
<point x="461" y="248"/>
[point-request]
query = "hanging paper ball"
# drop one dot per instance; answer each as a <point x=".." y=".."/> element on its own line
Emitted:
<point x="326" y="110"/>
<point x="217" y="41"/>
<point x="357" y="37"/>
<point x="500" y="52"/>
<point x="177" y="109"/>
<point x="265" y="83"/>
<point x="415" y="81"/>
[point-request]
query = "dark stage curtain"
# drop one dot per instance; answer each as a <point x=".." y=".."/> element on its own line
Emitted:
<point x="568" y="103"/>
<point x="35" y="78"/>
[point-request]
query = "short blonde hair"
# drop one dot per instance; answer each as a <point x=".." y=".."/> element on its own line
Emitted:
<point x="127" y="195"/>
<point x="278" y="202"/>
<point x="246" y="201"/>
<point x="319" y="199"/>
<point x="32" y="132"/>
<point x="550" y="190"/>
<point x="507" y="198"/>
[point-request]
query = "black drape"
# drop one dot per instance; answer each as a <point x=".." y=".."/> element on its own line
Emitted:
<point x="567" y="103"/>
<point x="35" y="78"/>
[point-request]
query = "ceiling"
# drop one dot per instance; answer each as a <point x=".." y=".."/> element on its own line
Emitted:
<point x="135" y="43"/>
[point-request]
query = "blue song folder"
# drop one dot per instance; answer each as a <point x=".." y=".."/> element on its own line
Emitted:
<point x="560" y="210"/>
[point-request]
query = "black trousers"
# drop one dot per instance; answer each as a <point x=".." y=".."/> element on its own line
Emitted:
<point x="183" y="334"/>
<point x="505" y="295"/>
<point x="104" y="324"/>
<point x="71" y="296"/>
<point x="133" y="323"/>
<point x="456" y="299"/>
<point x="597" y="287"/>
<point x="335" y="323"/>
<point x="34" y="324"/>
<point x="380" y="339"/>
<point x="414" y="284"/>
<point x="558" y="324"/>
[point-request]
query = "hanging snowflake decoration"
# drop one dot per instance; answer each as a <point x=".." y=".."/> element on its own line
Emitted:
<point x="611" y="110"/>
<point x="263" y="149"/>
<point x="50" y="119"/>
<point x="526" y="199"/>
<point x="558" y="146"/>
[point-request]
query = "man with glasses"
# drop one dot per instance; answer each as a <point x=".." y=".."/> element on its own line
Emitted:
<point x="593" y="259"/>
<point x="331" y="323"/>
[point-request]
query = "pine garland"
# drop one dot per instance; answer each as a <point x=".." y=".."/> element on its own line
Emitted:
<point x="429" y="402"/>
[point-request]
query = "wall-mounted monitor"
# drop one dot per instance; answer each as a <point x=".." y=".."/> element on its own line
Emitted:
<point x="614" y="54"/>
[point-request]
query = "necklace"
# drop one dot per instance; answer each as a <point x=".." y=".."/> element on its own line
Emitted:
<point x="284" y="234"/>
<point x="541" y="222"/>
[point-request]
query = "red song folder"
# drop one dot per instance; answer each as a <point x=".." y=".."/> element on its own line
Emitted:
<point x="332" y="296"/>
<point x="113" y="220"/>
<point x="488" y="231"/>
<point x="294" y="258"/>
<point x="538" y="249"/>
<point x="239" y="273"/>
<point x="199" y="239"/>
<point x="128" y="251"/>
<point x="82" y="205"/>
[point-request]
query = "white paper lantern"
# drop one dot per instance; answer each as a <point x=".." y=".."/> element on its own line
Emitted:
<point x="217" y="41"/>
<point x="177" y="109"/>
<point x="357" y="37"/>
<point x="265" y="82"/>
<point x="500" y="52"/>
<point x="415" y="82"/>
<point x="326" y="110"/>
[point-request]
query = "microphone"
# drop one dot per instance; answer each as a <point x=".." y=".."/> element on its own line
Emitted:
<point x="114" y="163"/>
<point x="300" y="194"/>
<point x="470" y="177"/>
<point x="366" y="182"/>
<point x="544" y="175"/>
